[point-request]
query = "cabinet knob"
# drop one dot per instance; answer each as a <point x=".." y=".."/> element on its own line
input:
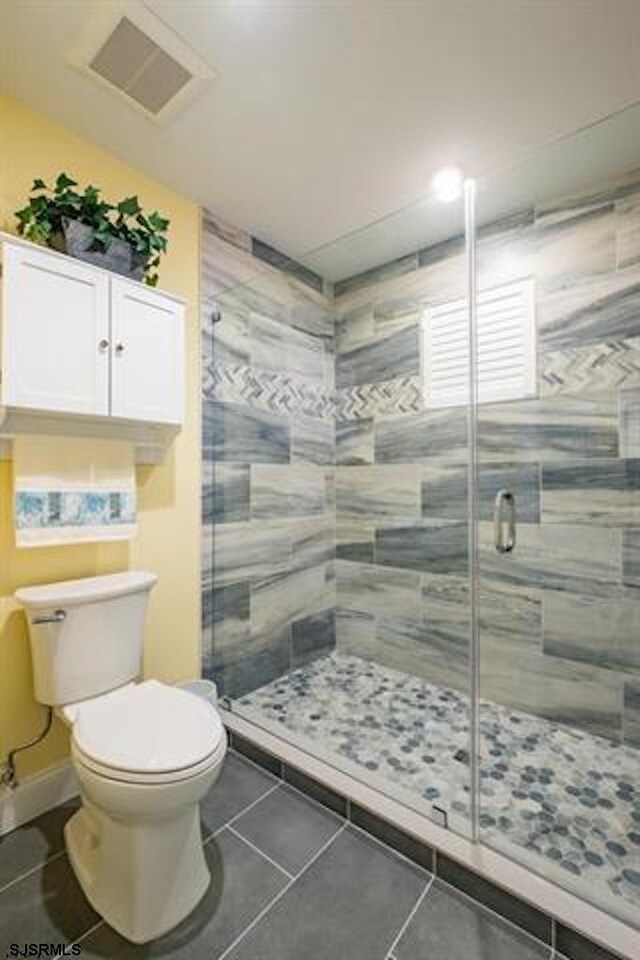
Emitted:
<point x="119" y="348"/>
<point x="103" y="345"/>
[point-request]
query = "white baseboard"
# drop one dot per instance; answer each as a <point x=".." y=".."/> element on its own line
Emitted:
<point x="37" y="794"/>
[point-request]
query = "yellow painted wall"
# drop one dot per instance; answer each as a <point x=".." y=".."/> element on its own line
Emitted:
<point x="169" y="495"/>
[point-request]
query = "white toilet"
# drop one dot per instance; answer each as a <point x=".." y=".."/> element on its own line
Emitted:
<point x="145" y="753"/>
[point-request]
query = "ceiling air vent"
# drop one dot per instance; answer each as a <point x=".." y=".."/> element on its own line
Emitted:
<point x="135" y="54"/>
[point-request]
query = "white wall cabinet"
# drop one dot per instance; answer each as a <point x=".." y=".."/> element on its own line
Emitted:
<point x="147" y="381"/>
<point x="79" y="340"/>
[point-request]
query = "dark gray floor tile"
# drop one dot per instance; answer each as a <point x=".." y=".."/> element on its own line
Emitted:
<point x="254" y="753"/>
<point x="574" y="946"/>
<point x="242" y="884"/>
<point x="288" y="827"/>
<point x="419" y="852"/>
<point x="350" y="903"/>
<point x="317" y="791"/>
<point x="448" y="926"/>
<point x="239" y="784"/>
<point x="30" y="845"/>
<point x="515" y="910"/>
<point x="47" y="906"/>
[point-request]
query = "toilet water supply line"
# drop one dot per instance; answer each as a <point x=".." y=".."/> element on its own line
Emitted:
<point x="9" y="774"/>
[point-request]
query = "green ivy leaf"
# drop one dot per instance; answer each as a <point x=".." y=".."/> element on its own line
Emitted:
<point x="64" y="182"/>
<point x="129" y="207"/>
<point x="39" y="185"/>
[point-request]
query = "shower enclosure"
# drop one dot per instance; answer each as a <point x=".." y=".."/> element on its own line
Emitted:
<point x="421" y="505"/>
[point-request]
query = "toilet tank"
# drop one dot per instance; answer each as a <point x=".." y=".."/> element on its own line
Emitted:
<point x="86" y="635"/>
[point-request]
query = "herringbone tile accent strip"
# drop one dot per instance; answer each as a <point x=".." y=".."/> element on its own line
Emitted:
<point x="598" y="367"/>
<point x="389" y="398"/>
<point x="267" y="391"/>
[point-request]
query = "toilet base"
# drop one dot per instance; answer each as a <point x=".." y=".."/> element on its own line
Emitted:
<point x="142" y="878"/>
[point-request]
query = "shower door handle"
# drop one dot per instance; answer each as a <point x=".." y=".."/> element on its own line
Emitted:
<point x="504" y="521"/>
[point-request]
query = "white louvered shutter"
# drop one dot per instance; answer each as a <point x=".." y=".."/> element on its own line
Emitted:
<point x="506" y="347"/>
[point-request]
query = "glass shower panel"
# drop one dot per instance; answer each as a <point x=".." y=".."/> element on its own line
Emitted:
<point x="559" y="453"/>
<point x="335" y="559"/>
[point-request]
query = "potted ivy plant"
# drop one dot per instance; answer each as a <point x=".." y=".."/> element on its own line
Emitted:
<point x="120" y="237"/>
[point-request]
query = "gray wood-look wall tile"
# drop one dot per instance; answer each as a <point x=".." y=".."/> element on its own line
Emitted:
<point x="355" y="540"/>
<point x="598" y="308"/>
<point x="226" y="488"/>
<point x="281" y="598"/>
<point x="287" y="491"/>
<point x="630" y="422"/>
<point x="244" y="434"/>
<point x="276" y="346"/>
<point x="555" y="428"/>
<point x="628" y="231"/>
<point x="599" y="630"/>
<point x="631" y="557"/>
<point x="378" y="591"/>
<point x="382" y="492"/>
<point x="437" y="546"/>
<point x="599" y="493"/>
<point x="632" y="713"/>
<point x="445" y="490"/>
<point x="564" y="691"/>
<point x="313" y="637"/>
<point x="387" y="355"/>
<point x="354" y="441"/>
<point x="423" y="437"/>
<point x="573" y="558"/>
<point x="312" y="440"/>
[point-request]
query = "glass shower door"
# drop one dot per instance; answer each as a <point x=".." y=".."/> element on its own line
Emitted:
<point x="559" y="512"/>
<point x="336" y="591"/>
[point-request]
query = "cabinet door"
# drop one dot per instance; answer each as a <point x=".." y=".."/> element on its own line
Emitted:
<point x="147" y="333"/>
<point x="55" y="332"/>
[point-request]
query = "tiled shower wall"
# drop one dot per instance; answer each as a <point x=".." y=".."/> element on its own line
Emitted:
<point x="268" y="452"/>
<point x="560" y="617"/>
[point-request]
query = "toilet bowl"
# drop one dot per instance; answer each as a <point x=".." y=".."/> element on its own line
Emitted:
<point x="145" y="753"/>
<point x="145" y="756"/>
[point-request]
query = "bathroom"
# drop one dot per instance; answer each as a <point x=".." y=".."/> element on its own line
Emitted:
<point x="377" y="494"/>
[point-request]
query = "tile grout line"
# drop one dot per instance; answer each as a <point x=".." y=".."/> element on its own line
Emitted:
<point x="241" y="813"/>
<point x="510" y="923"/>
<point x="32" y="870"/>
<point x="87" y="933"/>
<point x="264" y="855"/>
<point x="255" y="764"/>
<point x="412" y="913"/>
<point x="279" y="895"/>
<point x="281" y="782"/>
<point x="396" y="853"/>
<point x="316" y="803"/>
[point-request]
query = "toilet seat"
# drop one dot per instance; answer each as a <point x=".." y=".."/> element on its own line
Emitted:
<point x="148" y="733"/>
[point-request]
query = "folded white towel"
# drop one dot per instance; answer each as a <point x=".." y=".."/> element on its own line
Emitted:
<point x="73" y="490"/>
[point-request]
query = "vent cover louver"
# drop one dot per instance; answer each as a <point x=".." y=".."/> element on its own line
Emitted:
<point x="139" y="57"/>
<point x="133" y="63"/>
<point x="506" y="362"/>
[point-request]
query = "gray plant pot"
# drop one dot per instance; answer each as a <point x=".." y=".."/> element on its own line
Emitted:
<point x="78" y="240"/>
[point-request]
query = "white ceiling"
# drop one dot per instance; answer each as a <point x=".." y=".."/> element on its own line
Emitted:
<point x="328" y="114"/>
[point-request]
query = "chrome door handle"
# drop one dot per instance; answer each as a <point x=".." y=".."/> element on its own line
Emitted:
<point x="56" y="617"/>
<point x="504" y="515"/>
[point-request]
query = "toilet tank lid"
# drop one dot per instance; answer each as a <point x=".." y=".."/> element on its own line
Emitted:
<point x="86" y="590"/>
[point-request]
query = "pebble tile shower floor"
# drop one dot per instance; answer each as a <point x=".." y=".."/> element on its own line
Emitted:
<point x="287" y="882"/>
<point x="565" y="795"/>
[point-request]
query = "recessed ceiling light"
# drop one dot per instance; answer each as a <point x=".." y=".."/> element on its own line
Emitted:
<point x="447" y="184"/>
